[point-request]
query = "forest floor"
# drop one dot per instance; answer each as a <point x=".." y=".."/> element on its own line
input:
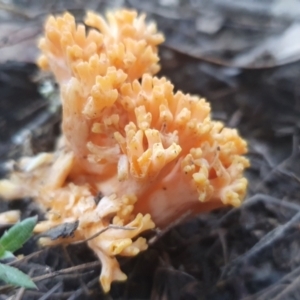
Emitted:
<point x="245" y="60"/>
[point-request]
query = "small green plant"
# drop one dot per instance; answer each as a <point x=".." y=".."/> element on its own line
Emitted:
<point x="12" y="240"/>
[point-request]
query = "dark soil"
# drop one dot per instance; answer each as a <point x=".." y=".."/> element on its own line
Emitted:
<point x="251" y="252"/>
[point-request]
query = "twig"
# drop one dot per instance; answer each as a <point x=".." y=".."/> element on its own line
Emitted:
<point x="254" y="199"/>
<point x="79" y="291"/>
<point x="269" y="239"/>
<point x="103" y="230"/>
<point x="14" y="10"/>
<point x="161" y="233"/>
<point x="25" y="258"/>
<point x="66" y="271"/>
<point x="19" y="294"/>
<point x="51" y="291"/>
<point x="57" y="273"/>
<point x="271" y="291"/>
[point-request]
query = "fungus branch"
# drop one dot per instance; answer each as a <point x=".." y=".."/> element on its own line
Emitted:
<point x="153" y="154"/>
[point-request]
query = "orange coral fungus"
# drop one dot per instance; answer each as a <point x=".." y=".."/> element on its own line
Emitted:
<point x="151" y="153"/>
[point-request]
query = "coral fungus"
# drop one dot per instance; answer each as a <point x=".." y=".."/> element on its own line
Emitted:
<point x="150" y="153"/>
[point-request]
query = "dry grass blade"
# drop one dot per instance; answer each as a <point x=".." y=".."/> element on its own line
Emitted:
<point x="285" y="284"/>
<point x="51" y="291"/>
<point x="80" y="291"/>
<point x="267" y="241"/>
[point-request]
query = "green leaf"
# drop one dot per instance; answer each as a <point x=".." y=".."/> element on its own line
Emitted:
<point x="14" y="238"/>
<point x="2" y="251"/>
<point x="15" y="277"/>
<point x="6" y="255"/>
